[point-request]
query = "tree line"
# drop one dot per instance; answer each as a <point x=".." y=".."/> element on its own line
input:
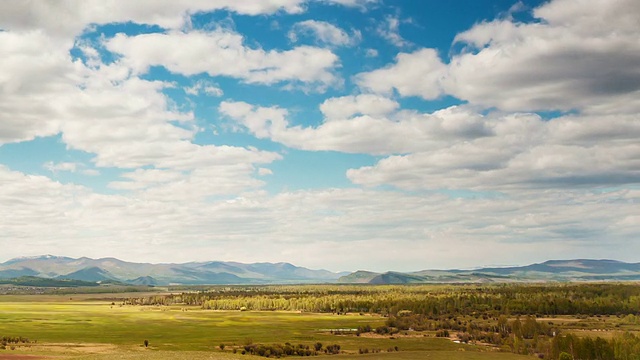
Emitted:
<point x="493" y="300"/>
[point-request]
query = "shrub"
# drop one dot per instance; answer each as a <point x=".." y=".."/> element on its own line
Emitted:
<point x="565" y="356"/>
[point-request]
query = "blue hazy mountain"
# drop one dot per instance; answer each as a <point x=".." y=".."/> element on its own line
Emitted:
<point x="219" y="272"/>
<point x="552" y="270"/>
<point x="112" y="269"/>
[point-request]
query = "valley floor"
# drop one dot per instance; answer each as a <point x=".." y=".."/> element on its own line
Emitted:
<point x="110" y="326"/>
<point x="60" y="327"/>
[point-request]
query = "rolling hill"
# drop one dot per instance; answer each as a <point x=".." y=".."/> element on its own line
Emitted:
<point x="552" y="270"/>
<point x="193" y="273"/>
<point x="111" y="270"/>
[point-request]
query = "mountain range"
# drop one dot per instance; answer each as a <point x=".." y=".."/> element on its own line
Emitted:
<point x="192" y="273"/>
<point x="552" y="270"/>
<point x="109" y="270"/>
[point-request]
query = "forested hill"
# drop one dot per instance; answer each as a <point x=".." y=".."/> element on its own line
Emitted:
<point x="553" y="270"/>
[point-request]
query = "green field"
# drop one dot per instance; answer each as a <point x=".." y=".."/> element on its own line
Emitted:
<point x="591" y="321"/>
<point x="82" y="328"/>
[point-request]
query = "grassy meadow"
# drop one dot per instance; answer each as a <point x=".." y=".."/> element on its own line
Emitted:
<point x="393" y="322"/>
<point x="84" y="327"/>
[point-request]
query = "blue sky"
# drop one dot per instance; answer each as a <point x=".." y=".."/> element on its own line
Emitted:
<point x="338" y="134"/>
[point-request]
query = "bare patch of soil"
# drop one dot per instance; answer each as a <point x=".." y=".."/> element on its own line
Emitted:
<point x="76" y="348"/>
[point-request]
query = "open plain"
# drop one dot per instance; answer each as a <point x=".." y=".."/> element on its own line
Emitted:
<point x="116" y="326"/>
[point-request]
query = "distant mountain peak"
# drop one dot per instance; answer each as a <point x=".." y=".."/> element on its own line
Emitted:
<point x="583" y="261"/>
<point x="113" y="269"/>
<point x="38" y="257"/>
<point x="94" y="273"/>
<point x="222" y="272"/>
<point x="552" y="270"/>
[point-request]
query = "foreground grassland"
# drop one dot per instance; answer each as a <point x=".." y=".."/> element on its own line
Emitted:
<point x="99" y="330"/>
<point x="190" y="325"/>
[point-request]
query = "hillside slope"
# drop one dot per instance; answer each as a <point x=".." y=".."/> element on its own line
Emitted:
<point x="552" y="270"/>
<point x="213" y="272"/>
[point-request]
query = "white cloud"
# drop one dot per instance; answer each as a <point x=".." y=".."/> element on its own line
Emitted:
<point x="581" y="55"/>
<point x="319" y="228"/>
<point x="90" y="172"/>
<point x="34" y="72"/>
<point x="65" y="19"/>
<point x="390" y="31"/>
<point x="195" y="185"/>
<point x="520" y="152"/>
<point x="587" y="61"/>
<point x="416" y="74"/>
<point x="145" y="137"/>
<point x="144" y="178"/>
<point x="204" y="87"/>
<point x="525" y="183"/>
<point x="371" y="53"/>
<point x="63" y="166"/>
<point x="264" y="172"/>
<point x="68" y="18"/>
<point x="366" y="104"/>
<point x="324" y="33"/>
<point x="124" y="121"/>
<point x="361" y="124"/>
<point x="222" y="53"/>
<point x="457" y="148"/>
<point x="353" y="3"/>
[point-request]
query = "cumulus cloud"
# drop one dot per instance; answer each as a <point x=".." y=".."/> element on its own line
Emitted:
<point x="347" y="106"/>
<point x="316" y="227"/>
<point x="361" y="124"/>
<point x="371" y="53"/>
<point x="67" y="18"/>
<point x="415" y="74"/>
<point x="130" y="124"/>
<point x="389" y="30"/>
<point x="72" y="167"/>
<point x="204" y="87"/>
<point x="264" y="172"/>
<point x="324" y="33"/>
<point x="62" y="166"/>
<point x="520" y="152"/>
<point x="223" y="53"/>
<point x="578" y="57"/>
<point x="122" y="120"/>
<point x="457" y="148"/>
<point x="35" y="72"/>
<point x="504" y="177"/>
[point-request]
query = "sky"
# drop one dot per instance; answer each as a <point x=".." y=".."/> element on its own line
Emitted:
<point x="337" y="134"/>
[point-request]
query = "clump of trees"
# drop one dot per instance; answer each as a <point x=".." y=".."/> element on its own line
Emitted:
<point x="287" y="349"/>
<point x="12" y="341"/>
<point x="363" y="329"/>
<point x="375" y="350"/>
<point x="15" y="340"/>
<point x="622" y="347"/>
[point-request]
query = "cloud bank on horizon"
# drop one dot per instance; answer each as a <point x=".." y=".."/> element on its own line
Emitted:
<point x="338" y="134"/>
